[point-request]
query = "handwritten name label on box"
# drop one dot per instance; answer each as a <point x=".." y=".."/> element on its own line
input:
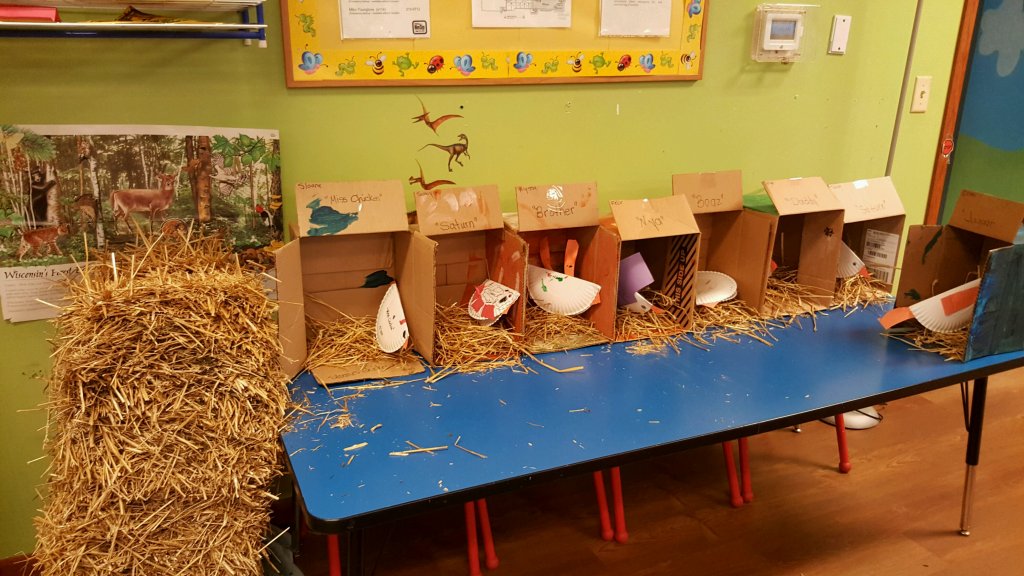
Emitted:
<point x="653" y="217"/>
<point x="332" y="208"/>
<point x="452" y="210"/>
<point x="553" y="206"/>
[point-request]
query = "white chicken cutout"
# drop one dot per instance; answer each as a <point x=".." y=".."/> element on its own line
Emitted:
<point x="392" y="330"/>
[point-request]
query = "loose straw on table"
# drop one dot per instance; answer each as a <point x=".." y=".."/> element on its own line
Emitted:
<point x="951" y="345"/>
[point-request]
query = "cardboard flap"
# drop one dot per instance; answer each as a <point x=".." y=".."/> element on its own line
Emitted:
<point x="414" y="271"/>
<point x="451" y="210"/>
<point x="600" y="265"/>
<point x="653" y="217"/>
<point x="291" y="313"/>
<point x="550" y="206"/>
<point x="868" y="199"/>
<point x="710" y="191"/>
<point x="922" y="259"/>
<point x="332" y="208"/>
<point x="989" y="216"/>
<point x="819" y="254"/>
<point x="751" y="270"/>
<point x="506" y="264"/>
<point x="801" y="195"/>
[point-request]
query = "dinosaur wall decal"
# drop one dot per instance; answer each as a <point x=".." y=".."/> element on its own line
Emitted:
<point x="454" y="150"/>
<point x="427" y="185"/>
<point x="432" y="124"/>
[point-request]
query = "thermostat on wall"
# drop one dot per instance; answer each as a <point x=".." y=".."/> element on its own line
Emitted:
<point x="778" y="31"/>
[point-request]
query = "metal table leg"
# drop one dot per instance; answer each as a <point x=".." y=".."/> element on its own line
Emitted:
<point x="974" y="426"/>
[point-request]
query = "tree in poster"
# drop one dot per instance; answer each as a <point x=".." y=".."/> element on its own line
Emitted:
<point x="250" y="153"/>
<point x="25" y="157"/>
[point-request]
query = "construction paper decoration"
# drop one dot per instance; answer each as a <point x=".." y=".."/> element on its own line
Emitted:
<point x="949" y="311"/>
<point x="946" y="312"/>
<point x="634" y="275"/>
<point x="849" y="263"/>
<point x="490" y="300"/>
<point x="558" y="293"/>
<point x="392" y="330"/>
<point x="714" y="287"/>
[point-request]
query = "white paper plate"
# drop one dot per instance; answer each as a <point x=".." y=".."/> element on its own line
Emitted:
<point x="392" y="329"/>
<point x="558" y="293"/>
<point x="849" y="263"/>
<point x="931" y="314"/>
<point x="490" y="300"/>
<point x="641" y="305"/>
<point x="714" y="287"/>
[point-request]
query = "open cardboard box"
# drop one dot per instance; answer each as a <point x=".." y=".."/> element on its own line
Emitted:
<point x="985" y="237"/>
<point x="664" y="232"/>
<point x="351" y="233"/>
<point x="472" y="246"/>
<point x="808" y="227"/>
<point x="734" y="241"/>
<point x="873" y="224"/>
<point x="562" y="212"/>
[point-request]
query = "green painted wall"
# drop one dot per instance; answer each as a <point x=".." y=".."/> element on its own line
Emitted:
<point x="829" y="116"/>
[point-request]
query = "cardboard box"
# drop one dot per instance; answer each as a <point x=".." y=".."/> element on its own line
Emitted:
<point x="808" y="222"/>
<point x="873" y="224"/>
<point x="985" y="237"/>
<point x="349" y="233"/>
<point x="472" y="246"/>
<point x="561" y="212"/>
<point x="664" y="232"/>
<point x="733" y="241"/>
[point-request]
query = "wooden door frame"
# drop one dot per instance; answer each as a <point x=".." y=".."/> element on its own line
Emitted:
<point x="951" y="114"/>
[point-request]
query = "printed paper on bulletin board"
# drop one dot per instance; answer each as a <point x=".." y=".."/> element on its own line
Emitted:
<point x="456" y="53"/>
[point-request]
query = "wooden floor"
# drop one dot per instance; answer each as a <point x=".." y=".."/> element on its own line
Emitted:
<point x="896" y="513"/>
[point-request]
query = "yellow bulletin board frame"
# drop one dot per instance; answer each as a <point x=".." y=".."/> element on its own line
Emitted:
<point x="458" y="54"/>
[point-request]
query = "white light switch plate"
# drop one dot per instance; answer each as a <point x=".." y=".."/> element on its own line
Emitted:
<point x="922" y="92"/>
<point x="840" y="34"/>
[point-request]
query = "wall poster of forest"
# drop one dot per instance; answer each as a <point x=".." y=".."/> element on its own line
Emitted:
<point x="66" y="188"/>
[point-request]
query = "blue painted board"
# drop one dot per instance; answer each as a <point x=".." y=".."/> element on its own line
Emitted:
<point x="620" y="407"/>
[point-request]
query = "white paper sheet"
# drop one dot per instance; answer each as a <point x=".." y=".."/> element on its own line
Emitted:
<point x="636" y="17"/>
<point x="21" y="290"/>
<point x="385" y="18"/>
<point x="522" y="13"/>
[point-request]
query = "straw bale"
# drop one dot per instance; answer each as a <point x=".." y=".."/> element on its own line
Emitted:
<point x="164" y="408"/>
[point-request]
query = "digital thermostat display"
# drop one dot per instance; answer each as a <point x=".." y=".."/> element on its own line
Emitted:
<point x="783" y="30"/>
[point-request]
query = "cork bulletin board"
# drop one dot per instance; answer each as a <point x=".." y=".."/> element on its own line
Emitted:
<point x="457" y="53"/>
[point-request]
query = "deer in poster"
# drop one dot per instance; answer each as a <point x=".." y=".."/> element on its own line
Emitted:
<point x="145" y="200"/>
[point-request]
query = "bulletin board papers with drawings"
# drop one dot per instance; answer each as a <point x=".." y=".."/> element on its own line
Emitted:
<point x="448" y="49"/>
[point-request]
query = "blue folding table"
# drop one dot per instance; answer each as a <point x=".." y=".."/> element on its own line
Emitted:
<point x="619" y="408"/>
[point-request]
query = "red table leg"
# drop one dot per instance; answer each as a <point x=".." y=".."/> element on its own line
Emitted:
<point x="602" y="507"/>
<point x="730" y="472"/>
<point x="621" y="536"/>
<point x="472" y="553"/>
<point x="333" y="555"/>
<point x="748" y="489"/>
<point x="490" y="557"/>
<point x="844" y="452"/>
